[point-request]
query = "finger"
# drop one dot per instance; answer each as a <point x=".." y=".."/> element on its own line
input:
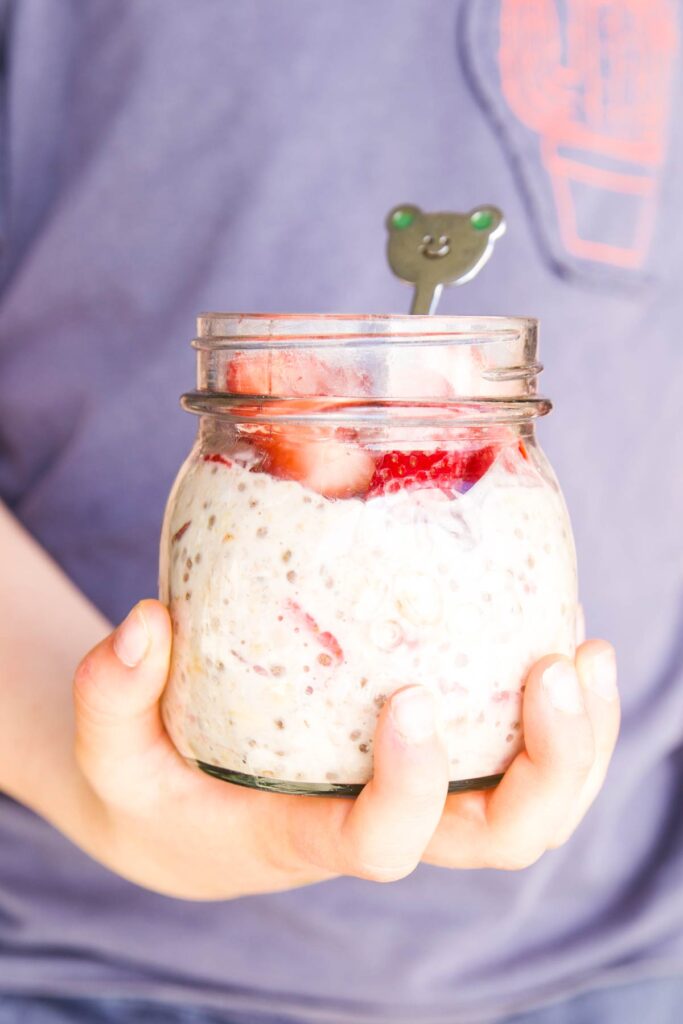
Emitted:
<point x="117" y="688"/>
<point x="542" y="788"/>
<point x="511" y="826"/>
<point x="597" y="669"/>
<point x="382" y="834"/>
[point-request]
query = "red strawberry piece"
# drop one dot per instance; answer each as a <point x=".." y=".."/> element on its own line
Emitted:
<point x="311" y="455"/>
<point x="449" y="470"/>
<point x="292" y="373"/>
<point x="307" y="454"/>
<point x="478" y="462"/>
<point x="326" y="639"/>
<point x="179" y="533"/>
<point x="216" y="457"/>
<point x="323" y="458"/>
<point x="272" y="373"/>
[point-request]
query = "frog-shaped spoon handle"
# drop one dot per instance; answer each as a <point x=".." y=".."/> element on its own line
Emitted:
<point x="431" y="250"/>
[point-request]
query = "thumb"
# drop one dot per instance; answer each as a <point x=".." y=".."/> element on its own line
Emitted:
<point x="117" y="688"/>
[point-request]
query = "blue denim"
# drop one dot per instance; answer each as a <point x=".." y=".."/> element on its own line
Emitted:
<point x="27" y="1010"/>
<point x="658" y="1001"/>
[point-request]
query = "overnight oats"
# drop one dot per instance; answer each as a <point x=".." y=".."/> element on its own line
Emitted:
<point x="366" y="507"/>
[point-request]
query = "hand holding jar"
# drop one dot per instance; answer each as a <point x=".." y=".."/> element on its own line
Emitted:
<point x="372" y="593"/>
<point x="178" y="831"/>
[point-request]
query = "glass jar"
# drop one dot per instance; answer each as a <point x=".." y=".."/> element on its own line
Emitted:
<point x="365" y="507"/>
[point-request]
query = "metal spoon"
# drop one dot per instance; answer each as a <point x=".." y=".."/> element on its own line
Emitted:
<point x="430" y="250"/>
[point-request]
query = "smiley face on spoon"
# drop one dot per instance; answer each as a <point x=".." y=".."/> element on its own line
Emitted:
<point x="431" y="250"/>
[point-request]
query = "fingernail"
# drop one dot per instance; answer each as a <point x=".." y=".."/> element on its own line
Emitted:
<point x="600" y="673"/>
<point x="131" y="639"/>
<point x="412" y="711"/>
<point x="561" y="683"/>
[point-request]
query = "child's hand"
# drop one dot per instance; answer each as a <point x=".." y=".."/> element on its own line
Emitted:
<point x="175" y="830"/>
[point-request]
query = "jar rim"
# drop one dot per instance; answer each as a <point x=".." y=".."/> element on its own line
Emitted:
<point x="232" y="330"/>
<point x="460" y="412"/>
<point x="252" y="363"/>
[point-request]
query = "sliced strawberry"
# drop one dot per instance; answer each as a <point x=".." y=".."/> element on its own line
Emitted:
<point x="307" y="454"/>
<point x="451" y="471"/>
<point x="323" y="458"/>
<point x="217" y="457"/>
<point x="292" y="372"/>
<point x="326" y="639"/>
<point x="477" y="462"/>
<point x="273" y="373"/>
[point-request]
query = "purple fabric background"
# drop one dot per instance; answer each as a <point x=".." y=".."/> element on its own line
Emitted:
<point x="161" y="158"/>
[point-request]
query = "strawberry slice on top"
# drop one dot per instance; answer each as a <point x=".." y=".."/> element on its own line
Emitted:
<point x="333" y="468"/>
<point x="292" y="373"/>
<point x="313" y="455"/>
<point x="450" y="470"/>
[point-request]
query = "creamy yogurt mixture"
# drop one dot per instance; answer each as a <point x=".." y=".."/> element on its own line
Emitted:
<point x="295" y="616"/>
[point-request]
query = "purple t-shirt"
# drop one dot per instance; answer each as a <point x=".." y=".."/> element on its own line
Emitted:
<point x="163" y="157"/>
